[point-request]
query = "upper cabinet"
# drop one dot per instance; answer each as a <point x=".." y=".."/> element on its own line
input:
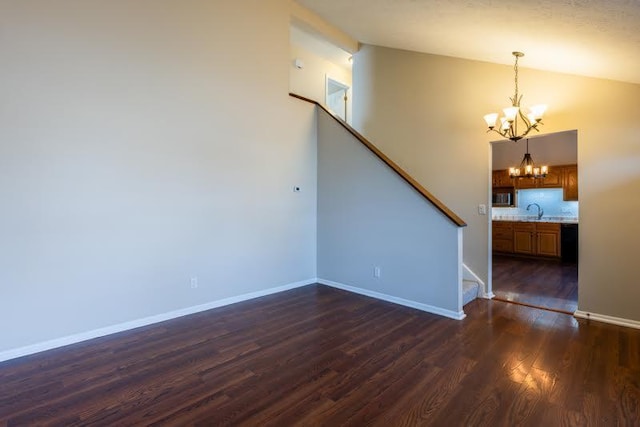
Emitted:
<point x="570" y="183"/>
<point x="501" y="178"/>
<point x="522" y="183"/>
<point x="565" y="177"/>
<point x="553" y="178"/>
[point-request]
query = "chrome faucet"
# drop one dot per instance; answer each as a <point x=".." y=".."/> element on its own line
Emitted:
<point x="540" y="211"/>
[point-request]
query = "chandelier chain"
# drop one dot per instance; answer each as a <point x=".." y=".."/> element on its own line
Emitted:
<point x="515" y="68"/>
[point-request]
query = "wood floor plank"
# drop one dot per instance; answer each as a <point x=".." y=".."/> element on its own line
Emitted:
<point x="321" y="356"/>
<point x="536" y="282"/>
<point x="429" y="401"/>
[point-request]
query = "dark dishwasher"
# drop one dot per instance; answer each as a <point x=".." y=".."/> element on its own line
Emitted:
<point x="569" y="242"/>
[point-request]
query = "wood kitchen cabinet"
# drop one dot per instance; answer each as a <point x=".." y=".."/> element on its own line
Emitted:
<point x="570" y="183"/>
<point x="501" y="178"/>
<point x="548" y="239"/>
<point x="553" y="179"/>
<point x="502" y="236"/>
<point x="524" y="183"/>
<point x="526" y="238"/>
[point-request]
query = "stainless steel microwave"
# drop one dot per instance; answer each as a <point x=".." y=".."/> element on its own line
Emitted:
<point x="502" y="197"/>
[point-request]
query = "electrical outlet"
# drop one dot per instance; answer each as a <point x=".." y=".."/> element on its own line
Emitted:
<point x="194" y="282"/>
<point x="482" y="209"/>
<point x="376" y="272"/>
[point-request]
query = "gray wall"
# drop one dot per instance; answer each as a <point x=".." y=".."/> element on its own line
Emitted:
<point x="368" y="216"/>
<point x="143" y="143"/>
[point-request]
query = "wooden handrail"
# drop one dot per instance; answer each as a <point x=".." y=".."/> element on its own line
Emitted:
<point x="397" y="169"/>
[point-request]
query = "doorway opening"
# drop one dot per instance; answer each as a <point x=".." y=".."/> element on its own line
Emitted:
<point x="534" y="224"/>
<point x="337" y="98"/>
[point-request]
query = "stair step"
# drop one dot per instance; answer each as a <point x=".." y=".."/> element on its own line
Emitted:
<point x="469" y="291"/>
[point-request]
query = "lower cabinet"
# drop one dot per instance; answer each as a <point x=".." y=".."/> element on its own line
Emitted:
<point x="527" y="238"/>
<point x="548" y="239"/>
<point x="524" y="241"/>
<point x="502" y="236"/>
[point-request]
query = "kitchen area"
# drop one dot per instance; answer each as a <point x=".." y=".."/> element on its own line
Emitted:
<point x="535" y="224"/>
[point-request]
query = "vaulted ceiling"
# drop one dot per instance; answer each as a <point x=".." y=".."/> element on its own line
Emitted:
<point x="597" y="38"/>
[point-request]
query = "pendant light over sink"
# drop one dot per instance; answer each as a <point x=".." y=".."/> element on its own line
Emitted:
<point x="512" y="115"/>
<point x="527" y="168"/>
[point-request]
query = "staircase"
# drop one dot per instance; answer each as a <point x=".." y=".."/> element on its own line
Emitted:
<point x="470" y="291"/>
<point x="349" y="169"/>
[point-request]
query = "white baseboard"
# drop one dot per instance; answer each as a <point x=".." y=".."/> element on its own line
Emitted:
<point x="470" y="276"/>
<point x="120" y="327"/>
<point x="607" y="319"/>
<point x="401" y="301"/>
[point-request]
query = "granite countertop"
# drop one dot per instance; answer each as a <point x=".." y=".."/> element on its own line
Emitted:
<point x="534" y="218"/>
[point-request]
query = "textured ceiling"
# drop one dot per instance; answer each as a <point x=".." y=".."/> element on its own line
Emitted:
<point x="594" y="38"/>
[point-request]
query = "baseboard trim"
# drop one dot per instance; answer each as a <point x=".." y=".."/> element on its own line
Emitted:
<point x="401" y="301"/>
<point x="125" y="326"/>
<point x="607" y="319"/>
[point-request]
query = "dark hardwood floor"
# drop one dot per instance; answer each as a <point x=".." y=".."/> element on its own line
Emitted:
<point x="538" y="282"/>
<point x="321" y="356"/>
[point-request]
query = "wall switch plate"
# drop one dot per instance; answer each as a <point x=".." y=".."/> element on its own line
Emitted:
<point x="482" y="209"/>
<point x="376" y="272"/>
<point x="194" y="282"/>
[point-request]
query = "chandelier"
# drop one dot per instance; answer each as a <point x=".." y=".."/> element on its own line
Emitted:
<point x="512" y="115"/>
<point x="527" y="168"/>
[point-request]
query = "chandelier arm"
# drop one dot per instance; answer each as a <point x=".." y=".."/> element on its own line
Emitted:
<point x="503" y="132"/>
<point x="529" y="130"/>
<point x="526" y="133"/>
<point x="496" y="131"/>
<point x="524" y="118"/>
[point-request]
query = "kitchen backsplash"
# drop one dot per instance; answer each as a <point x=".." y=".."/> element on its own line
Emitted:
<point x="549" y="199"/>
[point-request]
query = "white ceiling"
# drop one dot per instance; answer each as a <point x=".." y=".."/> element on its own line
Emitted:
<point x="597" y="38"/>
<point x="319" y="46"/>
